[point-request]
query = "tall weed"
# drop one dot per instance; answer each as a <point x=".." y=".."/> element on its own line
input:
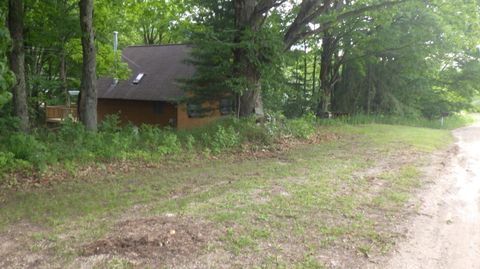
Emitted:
<point x="450" y="122"/>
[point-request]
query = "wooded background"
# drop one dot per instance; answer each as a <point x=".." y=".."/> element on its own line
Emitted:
<point x="408" y="58"/>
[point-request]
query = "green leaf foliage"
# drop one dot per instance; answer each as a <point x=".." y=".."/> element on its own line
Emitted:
<point x="6" y="76"/>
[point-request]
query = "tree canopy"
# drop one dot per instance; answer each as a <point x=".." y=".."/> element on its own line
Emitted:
<point x="414" y="58"/>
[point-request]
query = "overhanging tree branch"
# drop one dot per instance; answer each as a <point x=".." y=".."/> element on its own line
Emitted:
<point x="266" y="5"/>
<point x="296" y="31"/>
<point x="259" y="14"/>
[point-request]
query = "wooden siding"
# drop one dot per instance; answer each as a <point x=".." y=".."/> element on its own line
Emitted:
<point x="185" y="122"/>
<point x="144" y="112"/>
<point x="137" y="112"/>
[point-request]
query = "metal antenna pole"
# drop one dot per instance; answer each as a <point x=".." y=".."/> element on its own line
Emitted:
<point x="115" y="46"/>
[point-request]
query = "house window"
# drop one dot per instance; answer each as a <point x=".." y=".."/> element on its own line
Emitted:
<point x="194" y="110"/>
<point x="226" y="106"/>
<point x="158" y="107"/>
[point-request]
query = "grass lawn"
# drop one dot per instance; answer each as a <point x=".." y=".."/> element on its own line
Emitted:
<point x="336" y="203"/>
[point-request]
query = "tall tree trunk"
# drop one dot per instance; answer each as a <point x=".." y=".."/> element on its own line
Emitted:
<point x="324" y="105"/>
<point x="251" y="102"/>
<point x="314" y="73"/>
<point x="325" y="71"/>
<point x="63" y="75"/>
<point x="88" y="98"/>
<point x="305" y="78"/>
<point x="17" y="61"/>
<point x="251" y="99"/>
<point x="247" y="18"/>
<point x="371" y="89"/>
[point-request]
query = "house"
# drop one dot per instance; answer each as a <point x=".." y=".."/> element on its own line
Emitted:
<point x="153" y="93"/>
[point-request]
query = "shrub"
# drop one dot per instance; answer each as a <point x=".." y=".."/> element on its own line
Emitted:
<point x="71" y="145"/>
<point x="71" y="131"/>
<point x="8" y="163"/>
<point x="302" y="127"/>
<point x="221" y="138"/>
<point x="26" y="147"/>
<point x="111" y="124"/>
<point x="159" y="141"/>
<point x="7" y="160"/>
<point x="169" y="144"/>
<point x="71" y="142"/>
<point x="189" y="142"/>
<point x="149" y="136"/>
<point x="253" y="132"/>
<point x="109" y="145"/>
<point x="275" y="125"/>
<point x="256" y="133"/>
<point x="8" y="125"/>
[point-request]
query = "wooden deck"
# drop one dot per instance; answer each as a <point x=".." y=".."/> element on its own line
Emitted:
<point x="56" y="114"/>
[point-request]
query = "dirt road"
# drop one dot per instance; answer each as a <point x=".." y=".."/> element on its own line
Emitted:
<point x="446" y="233"/>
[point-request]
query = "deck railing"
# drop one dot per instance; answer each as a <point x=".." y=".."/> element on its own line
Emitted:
<point x="60" y="113"/>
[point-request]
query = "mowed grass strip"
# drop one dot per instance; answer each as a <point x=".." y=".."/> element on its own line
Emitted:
<point x="273" y="212"/>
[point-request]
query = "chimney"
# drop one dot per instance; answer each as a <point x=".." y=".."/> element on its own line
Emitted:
<point x="115" y="47"/>
<point x="115" y="42"/>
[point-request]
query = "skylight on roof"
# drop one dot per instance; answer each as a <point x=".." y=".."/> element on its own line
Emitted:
<point x="138" y="78"/>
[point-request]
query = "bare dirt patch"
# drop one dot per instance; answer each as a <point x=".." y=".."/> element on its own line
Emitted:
<point x="17" y="251"/>
<point x="160" y="240"/>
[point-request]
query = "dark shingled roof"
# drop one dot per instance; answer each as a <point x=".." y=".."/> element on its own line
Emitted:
<point x="163" y="66"/>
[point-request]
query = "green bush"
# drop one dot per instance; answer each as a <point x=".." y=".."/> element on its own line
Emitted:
<point x="110" y="146"/>
<point x="257" y="134"/>
<point x="8" y="163"/>
<point x="221" y="139"/>
<point x="70" y="131"/>
<point x="302" y="127"/>
<point x="72" y="145"/>
<point x="249" y="130"/>
<point x="110" y="124"/>
<point x="150" y="137"/>
<point x="26" y="147"/>
<point x="8" y="125"/>
<point x="276" y="125"/>
<point x="7" y="160"/>
<point x="189" y="142"/>
<point x="169" y="144"/>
